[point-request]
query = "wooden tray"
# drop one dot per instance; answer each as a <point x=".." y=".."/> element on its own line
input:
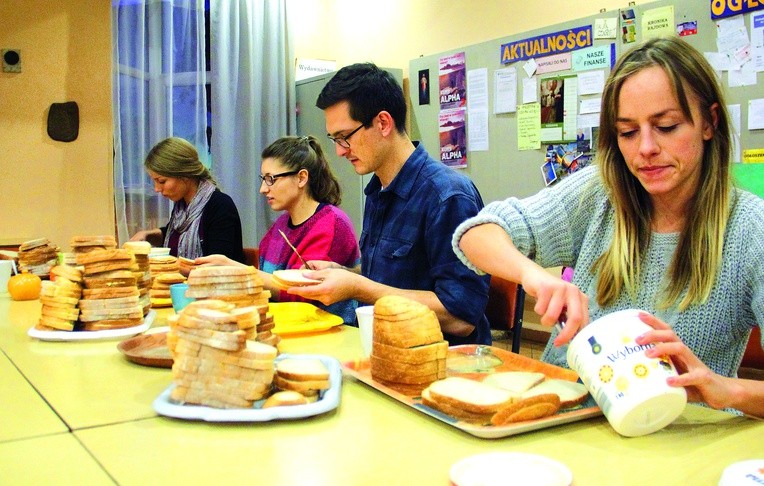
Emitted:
<point x="147" y="350"/>
<point x="476" y="362"/>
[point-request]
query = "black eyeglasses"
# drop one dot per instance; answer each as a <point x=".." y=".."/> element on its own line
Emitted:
<point x="271" y="179"/>
<point x="343" y="141"/>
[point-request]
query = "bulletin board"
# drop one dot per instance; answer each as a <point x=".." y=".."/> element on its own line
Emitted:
<point x="503" y="170"/>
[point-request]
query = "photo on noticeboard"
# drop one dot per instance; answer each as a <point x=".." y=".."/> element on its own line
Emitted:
<point x="567" y="158"/>
<point x="549" y="172"/>
<point x="424" y="86"/>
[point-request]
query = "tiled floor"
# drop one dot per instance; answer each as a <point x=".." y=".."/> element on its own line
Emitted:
<point x="529" y="348"/>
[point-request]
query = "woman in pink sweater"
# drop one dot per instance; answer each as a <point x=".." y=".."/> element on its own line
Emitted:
<point x="297" y="179"/>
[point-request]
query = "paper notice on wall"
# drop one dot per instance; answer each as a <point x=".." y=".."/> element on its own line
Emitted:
<point x="594" y="58"/>
<point x="505" y="90"/>
<point x="605" y="28"/>
<point x="756" y="114"/>
<point x="735" y="117"/>
<point x="530" y="90"/>
<point x="529" y="126"/>
<point x="753" y="156"/>
<point x="590" y="105"/>
<point x="591" y="82"/>
<point x="757" y="29"/>
<point x="658" y="22"/>
<point x="745" y="76"/>
<point x="571" y="108"/>
<point x="550" y="64"/>
<point x="477" y="109"/>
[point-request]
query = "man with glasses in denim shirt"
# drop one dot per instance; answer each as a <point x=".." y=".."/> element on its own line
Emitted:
<point x="413" y="205"/>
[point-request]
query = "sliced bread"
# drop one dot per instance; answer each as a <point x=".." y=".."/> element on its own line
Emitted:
<point x="302" y="369"/>
<point x="570" y="393"/>
<point x="517" y="382"/>
<point x="471" y="396"/>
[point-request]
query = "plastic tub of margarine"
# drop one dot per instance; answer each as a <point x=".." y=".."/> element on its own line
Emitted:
<point x="629" y="387"/>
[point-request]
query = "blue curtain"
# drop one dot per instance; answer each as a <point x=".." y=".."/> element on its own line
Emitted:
<point x="159" y="90"/>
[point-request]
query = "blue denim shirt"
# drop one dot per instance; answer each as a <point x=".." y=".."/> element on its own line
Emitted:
<point x="406" y="238"/>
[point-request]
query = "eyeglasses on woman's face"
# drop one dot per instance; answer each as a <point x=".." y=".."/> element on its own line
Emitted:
<point x="343" y="140"/>
<point x="271" y="179"/>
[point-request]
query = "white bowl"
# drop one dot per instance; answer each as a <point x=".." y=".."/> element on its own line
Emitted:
<point x="159" y="251"/>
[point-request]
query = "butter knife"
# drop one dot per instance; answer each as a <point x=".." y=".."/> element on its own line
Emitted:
<point x="295" y="250"/>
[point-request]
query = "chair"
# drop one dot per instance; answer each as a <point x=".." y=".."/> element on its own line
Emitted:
<point x="504" y="310"/>
<point x="754" y="355"/>
<point x="252" y="257"/>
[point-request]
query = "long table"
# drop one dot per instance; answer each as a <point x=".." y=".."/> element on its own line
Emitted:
<point x="99" y="428"/>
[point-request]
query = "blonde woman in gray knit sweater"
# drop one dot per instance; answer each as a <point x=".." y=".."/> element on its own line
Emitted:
<point x="656" y="224"/>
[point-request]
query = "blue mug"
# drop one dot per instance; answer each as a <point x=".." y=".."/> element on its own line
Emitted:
<point x="178" y="296"/>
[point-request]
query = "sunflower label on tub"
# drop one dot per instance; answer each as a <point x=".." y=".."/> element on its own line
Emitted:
<point x="629" y="387"/>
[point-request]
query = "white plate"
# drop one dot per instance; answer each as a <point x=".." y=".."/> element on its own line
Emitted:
<point x="329" y="400"/>
<point x="93" y="335"/>
<point x="510" y="468"/>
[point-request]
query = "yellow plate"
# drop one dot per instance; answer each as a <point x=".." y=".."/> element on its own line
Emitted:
<point x="300" y="317"/>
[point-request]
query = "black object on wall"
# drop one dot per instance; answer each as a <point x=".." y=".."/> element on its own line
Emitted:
<point x="64" y="121"/>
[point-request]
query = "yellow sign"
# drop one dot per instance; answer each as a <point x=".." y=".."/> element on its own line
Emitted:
<point x="753" y="156"/>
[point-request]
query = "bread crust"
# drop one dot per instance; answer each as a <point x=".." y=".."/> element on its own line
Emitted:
<point x="532" y="408"/>
<point x="460" y="414"/>
<point x="285" y="398"/>
<point x="414" y="355"/>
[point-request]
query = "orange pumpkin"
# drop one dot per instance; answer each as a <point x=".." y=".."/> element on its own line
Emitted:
<point x="24" y="286"/>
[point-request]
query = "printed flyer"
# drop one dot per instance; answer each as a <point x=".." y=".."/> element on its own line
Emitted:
<point x="453" y="81"/>
<point x="453" y="137"/>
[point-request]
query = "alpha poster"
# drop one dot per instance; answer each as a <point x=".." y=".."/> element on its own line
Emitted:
<point x="453" y="81"/>
<point x="453" y="137"/>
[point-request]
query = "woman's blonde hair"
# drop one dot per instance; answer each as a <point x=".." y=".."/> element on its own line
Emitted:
<point x="698" y="255"/>
<point x="177" y="157"/>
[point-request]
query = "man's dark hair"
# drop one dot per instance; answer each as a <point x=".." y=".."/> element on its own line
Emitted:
<point x="368" y="90"/>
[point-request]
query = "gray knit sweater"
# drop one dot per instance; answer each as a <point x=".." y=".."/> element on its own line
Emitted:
<point x="571" y="224"/>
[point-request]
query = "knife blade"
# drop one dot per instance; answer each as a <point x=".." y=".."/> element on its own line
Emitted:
<point x="295" y="250"/>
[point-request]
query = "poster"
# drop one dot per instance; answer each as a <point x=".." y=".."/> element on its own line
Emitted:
<point x="453" y="137"/>
<point x="453" y="81"/>
<point x="559" y="108"/>
<point x="424" y="87"/>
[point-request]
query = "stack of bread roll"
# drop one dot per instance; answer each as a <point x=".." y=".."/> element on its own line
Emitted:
<point x="110" y="299"/>
<point x="59" y="299"/>
<point x="214" y="364"/>
<point x="408" y="350"/>
<point x="159" y="265"/>
<point x="140" y="268"/>
<point x="160" y="287"/>
<point x="238" y="285"/>
<point x="85" y="244"/>
<point x="38" y="256"/>
<point x="306" y="376"/>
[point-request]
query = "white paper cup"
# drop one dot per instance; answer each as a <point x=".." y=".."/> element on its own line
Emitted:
<point x="5" y="275"/>
<point x="365" y="317"/>
<point x="629" y="387"/>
